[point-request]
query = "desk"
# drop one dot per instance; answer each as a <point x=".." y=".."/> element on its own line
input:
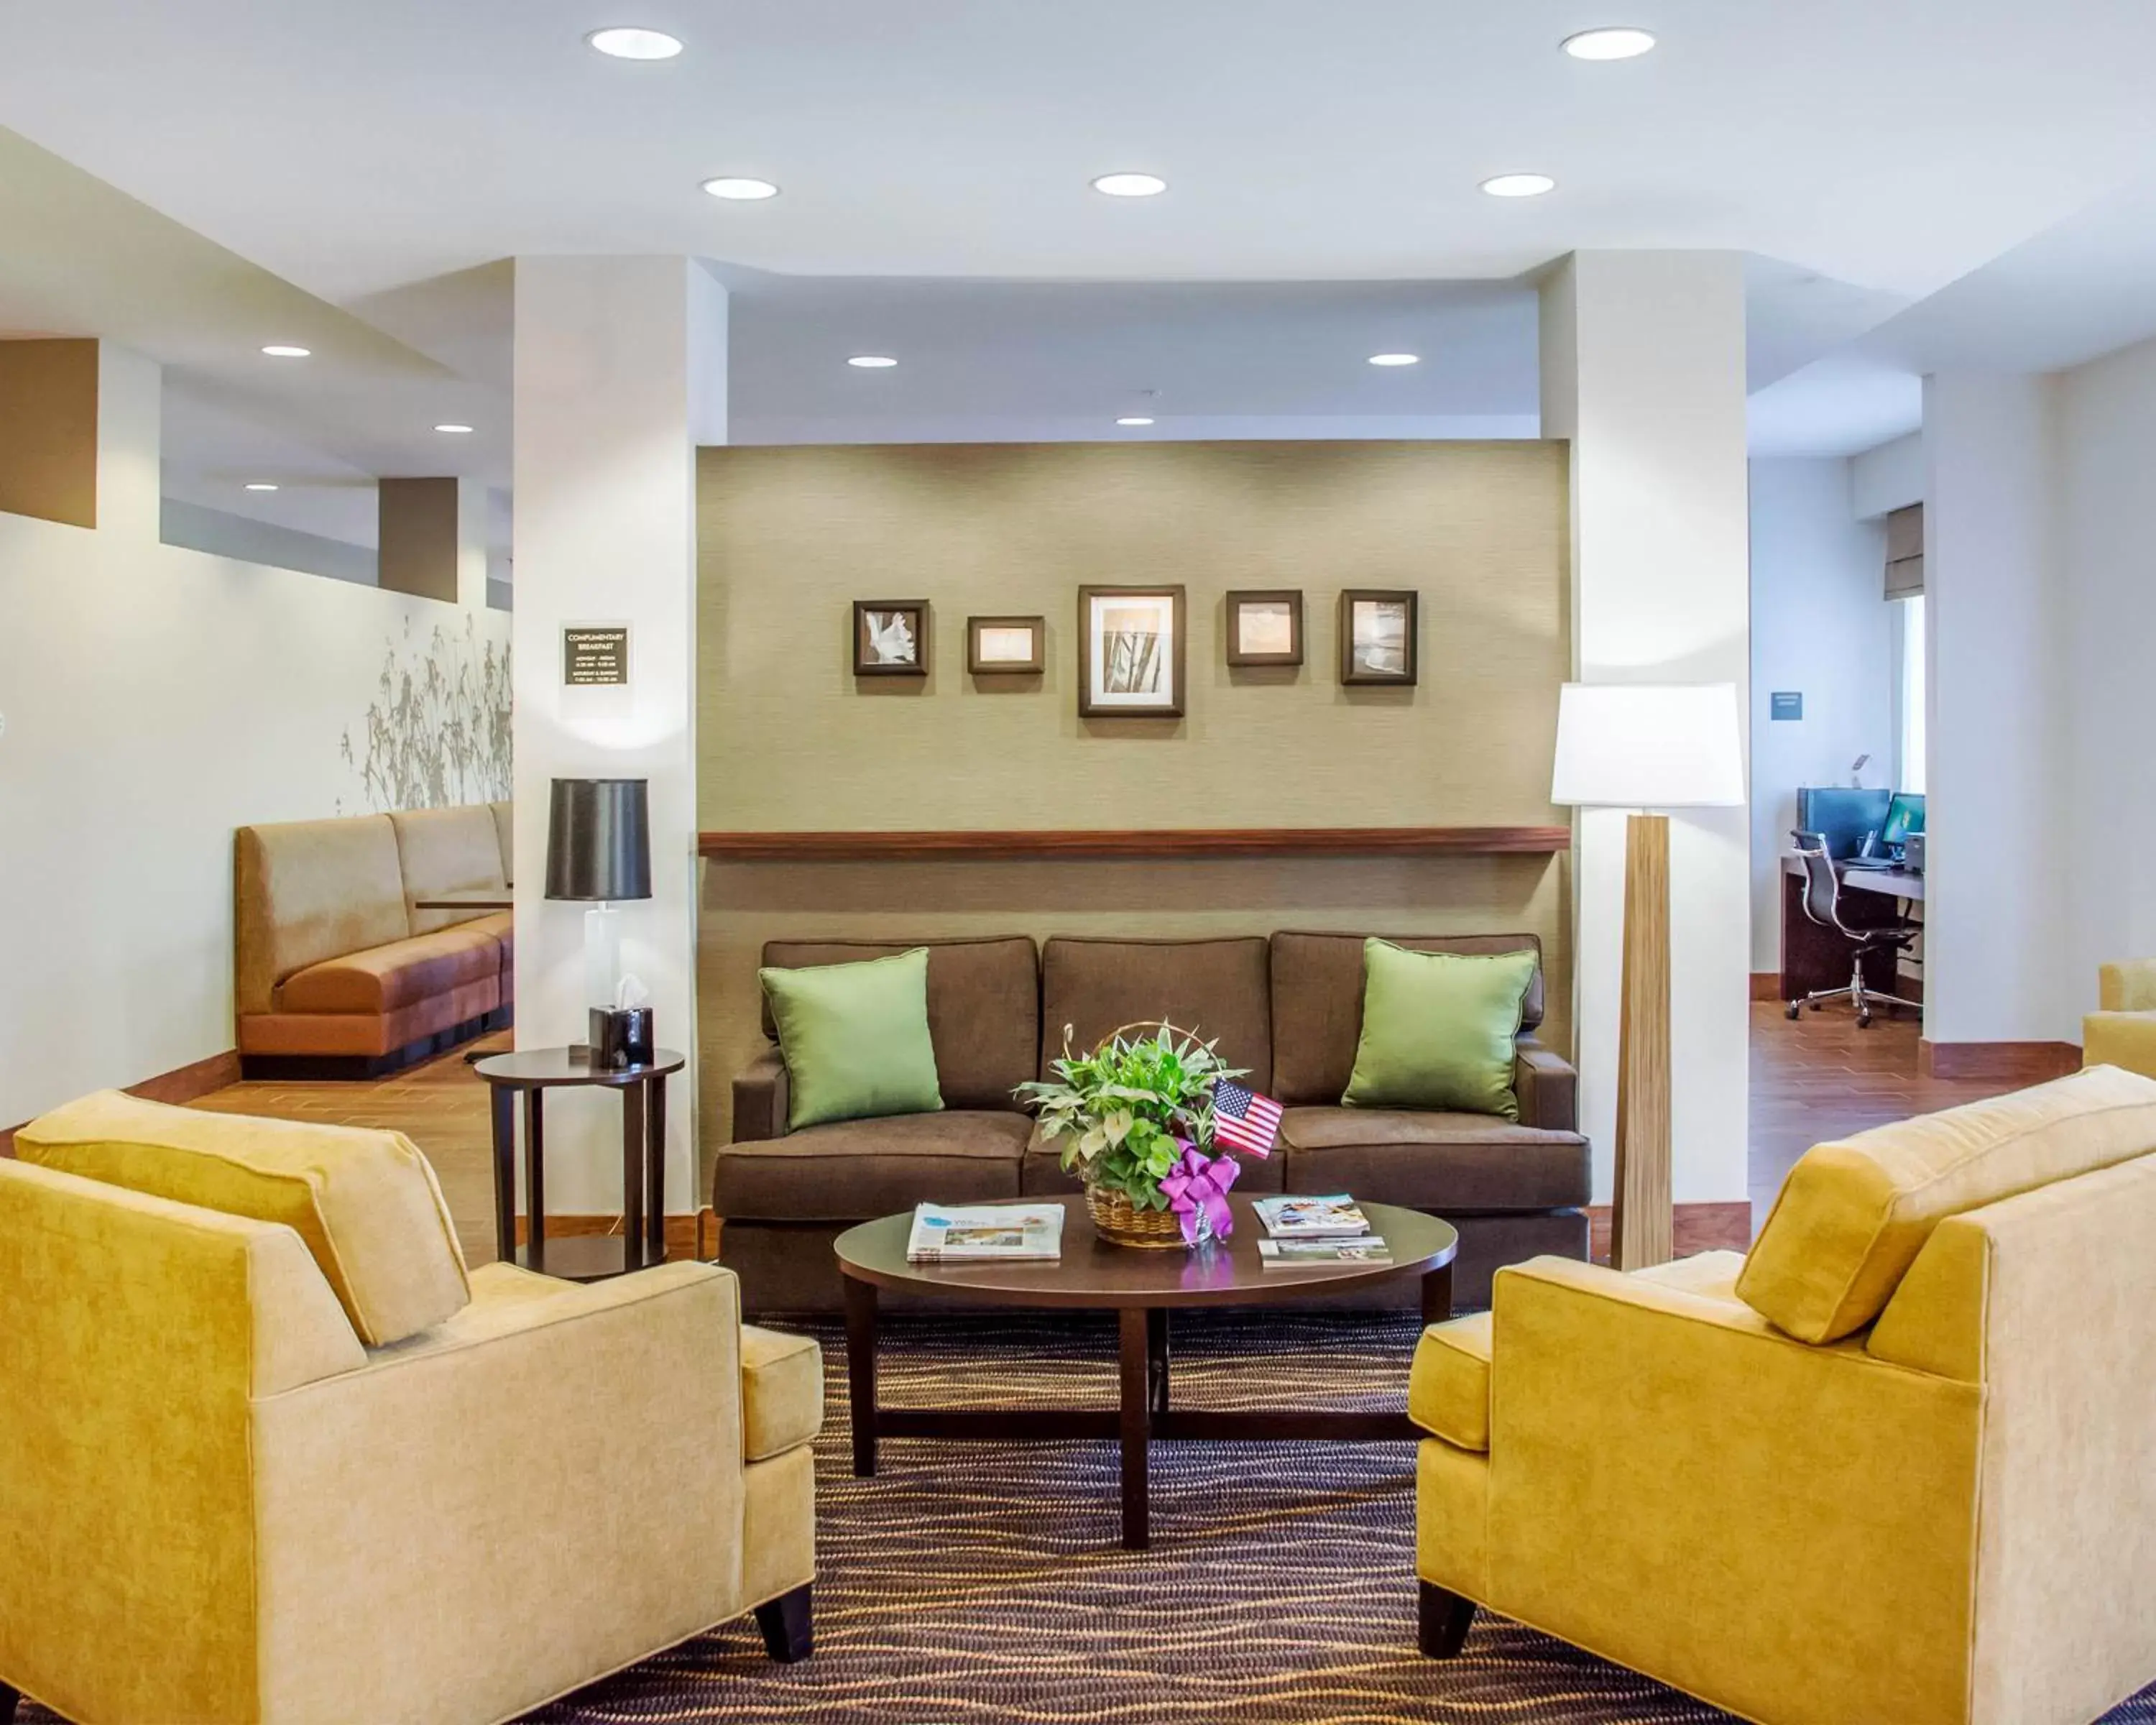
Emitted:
<point x="1814" y="957"/>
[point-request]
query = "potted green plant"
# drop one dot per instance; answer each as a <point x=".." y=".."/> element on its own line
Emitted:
<point x="1134" y="1120"/>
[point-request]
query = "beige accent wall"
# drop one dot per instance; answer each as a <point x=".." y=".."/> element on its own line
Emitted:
<point x="790" y="740"/>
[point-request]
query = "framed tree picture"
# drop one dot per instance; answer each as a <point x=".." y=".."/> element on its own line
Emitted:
<point x="1265" y="627"/>
<point x="891" y="638"/>
<point x="1006" y="646"/>
<point x="1131" y="652"/>
<point x="1377" y="635"/>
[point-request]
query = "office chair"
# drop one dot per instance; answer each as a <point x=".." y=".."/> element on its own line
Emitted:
<point x="1822" y="902"/>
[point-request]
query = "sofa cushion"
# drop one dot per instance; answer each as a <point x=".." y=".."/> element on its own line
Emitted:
<point x="984" y="1008"/>
<point x="310" y="890"/>
<point x="1216" y="988"/>
<point x="856" y="1169"/>
<point x="1042" y="1175"/>
<point x="1439" y="1161"/>
<point x="855" y="1038"/>
<point x="446" y="850"/>
<point x="1439" y="1030"/>
<point x="1852" y="1215"/>
<point x="382" y="979"/>
<point x="1448" y="1384"/>
<point x="1318" y="1004"/>
<point x="365" y="1202"/>
<point x="781" y="1392"/>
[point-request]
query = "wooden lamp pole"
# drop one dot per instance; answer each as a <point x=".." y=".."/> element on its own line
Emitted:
<point x="1641" y="1228"/>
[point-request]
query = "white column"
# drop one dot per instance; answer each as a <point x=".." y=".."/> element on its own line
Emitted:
<point x="1643" y="370"/>
<point x="1998" y="860"/>
<point x="620" y="370"/>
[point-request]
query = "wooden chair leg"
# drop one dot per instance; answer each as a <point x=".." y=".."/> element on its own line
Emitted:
<point x="788" y="1624"/>
<point x="1443" y="1621"/>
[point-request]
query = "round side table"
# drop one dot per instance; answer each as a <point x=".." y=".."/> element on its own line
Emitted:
<point x="534" y="1071"/>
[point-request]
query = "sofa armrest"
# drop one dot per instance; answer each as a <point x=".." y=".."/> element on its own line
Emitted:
<point x="1547" y="1088"/>
<point x="567" y="1469"/>
<point x="761" y="1098"/>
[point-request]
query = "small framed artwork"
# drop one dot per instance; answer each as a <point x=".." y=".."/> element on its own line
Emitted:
<point x="1378" y="636"/>
<point x="1006" y="646"/>
<point x="1129" y="652"/>
<point x="891" y="638"/>
<point x="1265" y="627"/>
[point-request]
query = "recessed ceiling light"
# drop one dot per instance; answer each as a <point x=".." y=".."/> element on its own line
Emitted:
<point x="279" y="350"/>
<point x="1130" y="185"/>
<point x="1396" y="359"/>
<point x="873" y="361"/>
<point x="1622" y="43"/>
<point x="738" y="189"/>
<point x="635" y="45"/>
<point x="455" y="430"/>
<point x="1135" y="420"/>
<point x="260" y="486"/>
<point x="1519" y="185"/>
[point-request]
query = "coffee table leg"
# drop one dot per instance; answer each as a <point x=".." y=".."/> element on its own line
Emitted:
<point x="861" y="1373"/>
<point x="503" y="1101"/>
<point x="1437" y="1295"/>
<point x="1156" y="1359"/>
<point x="1136" y="1328"/>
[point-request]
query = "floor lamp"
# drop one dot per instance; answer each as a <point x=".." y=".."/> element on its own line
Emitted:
<point x="1645" y="747"/>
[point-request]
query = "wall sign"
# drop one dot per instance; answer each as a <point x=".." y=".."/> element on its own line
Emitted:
<point x="595" y="655"/>
<point x="1786" y="703"/>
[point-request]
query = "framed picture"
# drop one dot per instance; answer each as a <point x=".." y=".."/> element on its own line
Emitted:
<point x="1011" y="646"/>
<point x="891" y="638"/>
<point x="1378" y="636"/>
<point x="1265" y="627"/>
<point x="1129" y="652"/>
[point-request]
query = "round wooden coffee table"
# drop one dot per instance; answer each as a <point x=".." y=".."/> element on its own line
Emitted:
<point x="1141" y="1287"/>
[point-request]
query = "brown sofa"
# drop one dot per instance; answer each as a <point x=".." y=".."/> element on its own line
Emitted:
<point x="336" y="972"/>
<point x="1288" y="1007"/>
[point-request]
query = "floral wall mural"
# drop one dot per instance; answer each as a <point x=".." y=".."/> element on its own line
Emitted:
<point x="437" y="733"/>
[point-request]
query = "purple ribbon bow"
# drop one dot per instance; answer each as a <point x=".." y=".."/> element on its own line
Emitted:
<point x="1197" y="1193"/>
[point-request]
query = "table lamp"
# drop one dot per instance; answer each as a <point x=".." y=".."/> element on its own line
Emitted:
<point x="1645" y="747"/>
<point x="598" y="852"/>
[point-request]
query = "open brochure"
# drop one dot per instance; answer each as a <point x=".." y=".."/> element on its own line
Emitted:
<point x="984" y="1233"/>
<point x="1300" y="1254"/>
<point x="1333" y="1218"/>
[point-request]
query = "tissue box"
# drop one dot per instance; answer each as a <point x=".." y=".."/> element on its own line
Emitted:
<point x="621" y="1036"/>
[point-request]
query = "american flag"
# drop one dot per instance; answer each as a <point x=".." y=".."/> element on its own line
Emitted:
<point x="1243" y="1120"/>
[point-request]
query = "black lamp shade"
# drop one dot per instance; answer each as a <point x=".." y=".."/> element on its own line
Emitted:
<point x="598" y="840"/>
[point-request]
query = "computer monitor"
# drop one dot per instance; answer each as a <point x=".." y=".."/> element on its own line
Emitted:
<point x="1905" y="815"/>
<point x="1841" y="816"/>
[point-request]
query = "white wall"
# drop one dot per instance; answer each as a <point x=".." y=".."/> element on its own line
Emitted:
<point x="1998" y="871"/>
<point x="154" y="699"/>
<point x="1643" y="369"/>
<point x="1888" y="478"/>
<point x="1821" y="626"/>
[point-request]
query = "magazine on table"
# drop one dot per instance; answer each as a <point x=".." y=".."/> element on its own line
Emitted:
<point x="1297" y="1253"/>
<point x="1334" y="1218"/>
<point x="985" y="1233"/>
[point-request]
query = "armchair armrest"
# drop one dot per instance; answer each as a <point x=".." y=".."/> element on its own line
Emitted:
<point x="1653" y="1442"/>
<point x="1547" y="1088"/>
<point x="2126" y="1039"/>
<point x="761" y="1097"/>
<point x="2128" y="986"/>
<point x="565" y="1465"/>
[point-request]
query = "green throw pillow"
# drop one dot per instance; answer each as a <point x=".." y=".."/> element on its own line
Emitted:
<point x="856" y="1039"/>
<point x="1438" y="1029"/>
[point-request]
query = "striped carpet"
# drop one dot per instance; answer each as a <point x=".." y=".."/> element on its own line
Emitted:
<point x="970" y="1584"/>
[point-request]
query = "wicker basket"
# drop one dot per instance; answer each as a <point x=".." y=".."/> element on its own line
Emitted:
<point x="1119" y="1221"/>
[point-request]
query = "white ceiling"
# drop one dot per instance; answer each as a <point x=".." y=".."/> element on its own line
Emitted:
<point x="379" y="162"/>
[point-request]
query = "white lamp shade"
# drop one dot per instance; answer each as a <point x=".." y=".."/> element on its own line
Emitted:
<point x="1648" y="745"/>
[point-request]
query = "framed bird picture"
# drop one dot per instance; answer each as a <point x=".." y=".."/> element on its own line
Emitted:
<point x="891" y="638"/>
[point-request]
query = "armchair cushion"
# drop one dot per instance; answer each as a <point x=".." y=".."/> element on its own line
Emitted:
<point x="1852" y="1216"/>
<point x="365" y="1202"/>
<point x="781" y="1392"/>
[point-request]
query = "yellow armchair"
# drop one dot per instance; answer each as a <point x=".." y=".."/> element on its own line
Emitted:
<point x="2123" y="1033"/>
<point x="216" y="1504"/>
<point x="1941" y="1507"/>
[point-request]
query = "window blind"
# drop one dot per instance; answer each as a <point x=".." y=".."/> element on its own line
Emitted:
<point x="1905" y="552"/>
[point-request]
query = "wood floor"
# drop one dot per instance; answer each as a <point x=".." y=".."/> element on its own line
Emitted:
<point x="1817" y="1078"/>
